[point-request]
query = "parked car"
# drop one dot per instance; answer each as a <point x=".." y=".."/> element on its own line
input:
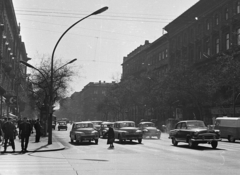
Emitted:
<point x="62" y="125"/>
<point x="126" y="130"/>
<point x="83" y="131"/>
<point x="149" y="130"/>
<point x="229" y="127"/>
<point x="104" y="128"/>
<point x="194" y="132"/>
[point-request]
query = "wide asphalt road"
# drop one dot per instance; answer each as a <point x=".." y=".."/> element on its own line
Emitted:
<point x="153" y="156"/>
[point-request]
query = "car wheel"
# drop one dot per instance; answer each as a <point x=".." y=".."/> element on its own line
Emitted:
<point x="231" y="139"/>
<point x="214" y="144"/>
<point x="71" y="140"/>
<point x="139" y="141"/>
<point x="130" y="140"/>
<point x="96" y="141"/>
<point x="174" y="142"/>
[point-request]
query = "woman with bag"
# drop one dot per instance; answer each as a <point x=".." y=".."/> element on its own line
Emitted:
<point x="110" y="134"/>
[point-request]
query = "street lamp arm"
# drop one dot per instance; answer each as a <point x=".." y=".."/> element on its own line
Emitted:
<point x="29" y="65"/>
<point x="66" y="64"/>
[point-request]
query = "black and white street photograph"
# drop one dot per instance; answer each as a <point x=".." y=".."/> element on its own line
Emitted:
<point x="123" y="87"/>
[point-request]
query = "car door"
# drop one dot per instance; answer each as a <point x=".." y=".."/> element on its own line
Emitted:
<point x="175" y="132"/>
<point x="182" y="131"/>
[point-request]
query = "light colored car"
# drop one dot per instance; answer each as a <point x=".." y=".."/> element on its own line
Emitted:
<point x="149" y="130"/>
<point x="126" y="130"/>
<point x="104" y="128"/>
<point x="83" y="131"/>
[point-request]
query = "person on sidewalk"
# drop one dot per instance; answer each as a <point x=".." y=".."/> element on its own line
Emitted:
<point x="37" y="127"/>
<point x="25" y="130"/>
<point x="110" y="134"/>
<point x="9" y="131"/>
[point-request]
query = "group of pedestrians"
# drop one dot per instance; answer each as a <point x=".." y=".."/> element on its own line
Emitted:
<point x="8" y="133"/>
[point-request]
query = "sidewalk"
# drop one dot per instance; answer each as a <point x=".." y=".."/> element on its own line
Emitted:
<point x="41" y="146"/>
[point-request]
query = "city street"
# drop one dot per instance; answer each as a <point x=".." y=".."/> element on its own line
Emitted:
<point x="151" y="157"/>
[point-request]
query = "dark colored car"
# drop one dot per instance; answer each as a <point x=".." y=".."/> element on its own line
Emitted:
<point x="149" y="130"/>
<point x="104" y="128"/>
<point x="194" y="132"/>
<point x="62" y="125"/>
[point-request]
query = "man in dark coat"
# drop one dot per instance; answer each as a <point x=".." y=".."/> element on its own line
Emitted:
<point x="37" y="127"/>
<point x="9" y="131"/>
<point x="25" y="129"/>
<point x="110" y="134"/>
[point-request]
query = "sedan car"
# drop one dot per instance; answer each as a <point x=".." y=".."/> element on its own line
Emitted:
<point x="62" y="125"/>
<point x="149" y="130"/>
<point x="194" y="132"/>
<point x="126" y="130"/>
<point x="104" y="128"/>
<point x="83" y="131"/>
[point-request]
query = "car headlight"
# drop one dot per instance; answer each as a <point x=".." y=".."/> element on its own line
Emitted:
<point x="138" y="131"/>
<point x="158" y="130"/>
<point x="218" y="132"/>
<point x="145" y="130"/>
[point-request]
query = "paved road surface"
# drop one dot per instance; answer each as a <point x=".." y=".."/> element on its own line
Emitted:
<point x="151" y="157"/>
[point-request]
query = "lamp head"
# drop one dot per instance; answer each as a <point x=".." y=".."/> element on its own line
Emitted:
<point x="100" y="11"/>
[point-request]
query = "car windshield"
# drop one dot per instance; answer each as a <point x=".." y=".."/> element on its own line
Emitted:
<point x="84" y="125"/>
<point x="128" y="124"/>
<point x="149" y="125"/>
<point x="195" y="125"/>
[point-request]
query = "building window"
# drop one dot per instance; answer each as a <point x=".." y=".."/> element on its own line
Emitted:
<point x="217" y="45"/>
<point x="160" y="56"/>
<point x="216" y="20"/>
<point x="227" y="41"/>
<point x="166" y="53"/>
<point x="163" y="55"/>
<point x="208" y="25"/>
<point x="238" y="7"/>
<point x="226" y="14"/>
<point x="238" y="37"/>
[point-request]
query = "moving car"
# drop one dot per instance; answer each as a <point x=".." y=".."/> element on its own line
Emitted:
<point x="229" y="127"/>
<point x="194" y="132"/>
<point x="149" y="130"/>
<point x="83" y="131"/>
<point x="104" y="128"/>
<point x="62" y="125"/>
<point x="126" y="130"/>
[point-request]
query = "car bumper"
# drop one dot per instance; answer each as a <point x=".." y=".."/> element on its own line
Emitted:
<point x="87" y="138"/>
<point x="205" y="140"/>
<point x="131" y="137"/>
<point x="152" y="134"/>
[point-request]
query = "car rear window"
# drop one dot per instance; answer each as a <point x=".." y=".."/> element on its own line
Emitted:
<point x="196" y="125"/>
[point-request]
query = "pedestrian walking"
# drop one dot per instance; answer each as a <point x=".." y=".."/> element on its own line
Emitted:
<point x="110" y="134"/>
<point x="25" y="130"/>
<point x="37" y="127"/>
<point x="9" y="131"/>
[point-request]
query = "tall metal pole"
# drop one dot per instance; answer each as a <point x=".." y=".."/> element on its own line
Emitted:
<point x="51" y="81"/>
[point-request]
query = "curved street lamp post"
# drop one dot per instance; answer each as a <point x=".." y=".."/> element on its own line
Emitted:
<point x="51" y="82"/>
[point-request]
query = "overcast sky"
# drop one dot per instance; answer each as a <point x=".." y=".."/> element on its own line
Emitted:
<point x="99" y="42"/>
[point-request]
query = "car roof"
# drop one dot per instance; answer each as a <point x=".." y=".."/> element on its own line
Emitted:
<point x="190" y="121"/>
<point x="83" y="122"/>
<point x="145" y="122"/>
<point x="124" y="121"/>
<point x="107" y="123"/>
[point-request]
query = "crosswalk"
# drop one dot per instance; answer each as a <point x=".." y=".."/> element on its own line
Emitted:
<point x="34" y="164"/>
